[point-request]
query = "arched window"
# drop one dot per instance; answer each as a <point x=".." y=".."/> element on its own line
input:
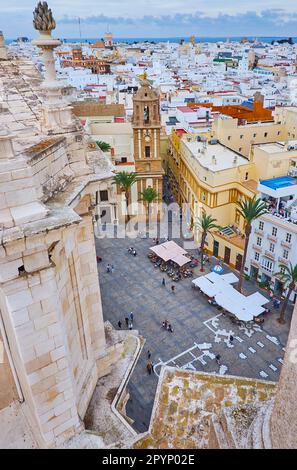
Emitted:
<point x="146" y="114"/>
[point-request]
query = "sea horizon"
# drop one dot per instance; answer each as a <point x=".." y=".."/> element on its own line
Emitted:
<point x="174" y="39"/>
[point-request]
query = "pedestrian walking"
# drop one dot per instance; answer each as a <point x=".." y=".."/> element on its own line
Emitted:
<point x="173" y="289"/>
<point x="127" y="322"/>
<point x="119" y="324"/>
<point x="131" y="316"/>
<point x="231" y="339"/>
<point x="108" y="268"/>
<point x="218" y="358"/>
<point x="149" y="367"/>
<point x="163" y="281"/>
<point x="169" y="328"/>
<point x="149" y="354"/>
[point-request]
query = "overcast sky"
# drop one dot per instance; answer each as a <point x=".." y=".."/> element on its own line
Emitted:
<point x="156" y="18"/>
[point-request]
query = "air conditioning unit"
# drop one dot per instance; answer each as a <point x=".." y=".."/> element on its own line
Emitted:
<point x="293" y="172"/>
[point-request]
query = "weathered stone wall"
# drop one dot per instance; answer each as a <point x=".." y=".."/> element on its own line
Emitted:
<point x="96" y="109"/>
<point x="53" y="318"/>
<point x="283" y="423"/>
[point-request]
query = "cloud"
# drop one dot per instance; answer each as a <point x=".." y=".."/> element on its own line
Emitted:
<point x="161" y="19"/>
<point x="247" y="23"/>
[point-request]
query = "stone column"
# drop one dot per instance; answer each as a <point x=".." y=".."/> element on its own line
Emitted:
<point x="57" y="115"/>
<point x="283" y="423"/>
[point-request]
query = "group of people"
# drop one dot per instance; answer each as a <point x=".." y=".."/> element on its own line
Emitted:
<point x="164" y="284"/>
<point x="167" y="326"/>
<point x="128" y="321"/>
<point x="110" y="268"/>
<point x="132" y="251"/>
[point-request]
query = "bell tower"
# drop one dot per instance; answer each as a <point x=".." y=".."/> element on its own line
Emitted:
<point x="146" y="125"/>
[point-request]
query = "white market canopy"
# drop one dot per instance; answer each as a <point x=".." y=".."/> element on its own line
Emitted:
<point x="219" y="287"/>
<point x="171" y="251"/>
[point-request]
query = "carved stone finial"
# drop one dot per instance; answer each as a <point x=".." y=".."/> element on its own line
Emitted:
<point x="43" y="18"/>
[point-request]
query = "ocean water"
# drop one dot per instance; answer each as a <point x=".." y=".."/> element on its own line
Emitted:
<point x="175" y="39"/>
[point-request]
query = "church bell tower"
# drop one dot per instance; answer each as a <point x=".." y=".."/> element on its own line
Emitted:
<point x="146" y="125"/>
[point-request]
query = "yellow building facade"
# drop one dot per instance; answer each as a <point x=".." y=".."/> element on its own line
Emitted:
<point x="212" y="174"/>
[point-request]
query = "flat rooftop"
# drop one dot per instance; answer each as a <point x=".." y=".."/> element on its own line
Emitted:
<point x="277" y="147"/>
<point x="215" y="157"/>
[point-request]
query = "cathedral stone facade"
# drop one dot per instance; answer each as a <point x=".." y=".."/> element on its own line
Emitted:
<point x="52" y="336"/>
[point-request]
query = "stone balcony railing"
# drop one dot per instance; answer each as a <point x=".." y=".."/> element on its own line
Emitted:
<point x="286" y="244"/>
<point x="257" y="248"/>
<point x="255" y="264"/>
<point x="259" y="232"/>
<point x="270" y="255"/>
<point x="283" y="260"/>
<point x="272" y="238"/>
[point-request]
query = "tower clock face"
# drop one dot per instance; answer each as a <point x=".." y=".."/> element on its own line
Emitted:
<point x="147" y="138"/>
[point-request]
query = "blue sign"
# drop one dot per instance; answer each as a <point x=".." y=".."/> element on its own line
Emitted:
<point x="218" y="269"/>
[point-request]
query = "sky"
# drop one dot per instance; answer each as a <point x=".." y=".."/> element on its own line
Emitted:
<point x="155" y="18"/>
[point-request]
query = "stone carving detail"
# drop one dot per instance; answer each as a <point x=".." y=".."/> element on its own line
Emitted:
<point x="43" y="17"/>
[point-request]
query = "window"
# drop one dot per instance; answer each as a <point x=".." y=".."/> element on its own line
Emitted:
<point x="259" y="241"/>
<point x="265" y="134"/>
<point x="278" y="133"/>
<point x="271" y="247"/>
<point x="285" y="254"/>
<point x="261" y="225"/>
<point x="240" y="149"/>
<point x="241" y="136"/>
<point x="288" y="237"/>
<point x="282" y="270"/>
<point x="229" y="137"/>
<point x="254" y="135"/>
<point x="257" y="256"/>
<point x="104" y="195"/>
<point x="147" y="151"/>
<point x="246" y="176"/>
<point x="267" y="264"/>
<point x="274" y="231"/>
<point x="146" y="114"/>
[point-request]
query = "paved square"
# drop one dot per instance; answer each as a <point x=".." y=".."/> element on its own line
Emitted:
<point x="200" y="331"/>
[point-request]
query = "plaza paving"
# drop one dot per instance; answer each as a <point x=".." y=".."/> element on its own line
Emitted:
<point x="200" y="331"/>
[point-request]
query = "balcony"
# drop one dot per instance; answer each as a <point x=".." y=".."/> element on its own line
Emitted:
<point x="283" y="260"/>
<point x="259" y="232"/>
<point x="270" y="255"/>
<point x="272" y="238"/>
<point x="255" y="264"/>
<point x="286" y="244"/>
<point x="257" y="248"/>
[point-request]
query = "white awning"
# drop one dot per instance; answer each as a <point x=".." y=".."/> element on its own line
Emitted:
<point x="206" y="286"/>
<point x="230" y="278"/>
<point x="181" y="260"/>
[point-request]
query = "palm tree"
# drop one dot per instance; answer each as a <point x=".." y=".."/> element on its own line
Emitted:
<point x="289" y="275"/>
<point x="104" y="146"/>
<point x="206" y="223"/>
<point x="125" y="181"/>
<point x="149" y="195"/>
<point x="250" y="210"/>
